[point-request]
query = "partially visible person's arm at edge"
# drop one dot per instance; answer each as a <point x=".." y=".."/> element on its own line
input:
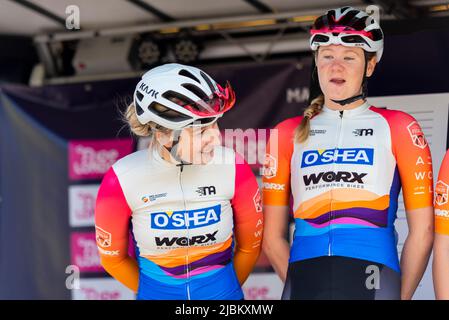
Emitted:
<point x="417" y="249"/>
<point x="248" y="220"/>
<point x="441" y="244"/>
<point x="112" y="215"/>
<point x="441" y="266"/>
<point x="276" y="195"/>
<point x="275" y="244"/>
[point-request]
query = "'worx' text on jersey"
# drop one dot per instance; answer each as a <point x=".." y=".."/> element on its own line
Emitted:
<point x="184" y="221"/>
<point x="345" y="181"/>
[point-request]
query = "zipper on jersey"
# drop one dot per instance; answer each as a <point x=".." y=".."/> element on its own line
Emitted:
<point x="181" y="168"/>
<point x="337" y="145"/>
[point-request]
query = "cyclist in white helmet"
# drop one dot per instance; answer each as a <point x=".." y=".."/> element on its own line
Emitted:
<point x="193" y="206"/>
<point x="345" y="162"/>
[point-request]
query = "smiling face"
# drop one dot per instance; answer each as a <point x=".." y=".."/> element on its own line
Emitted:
<point x="340" y="71"/>
<point x="196" y="144"/>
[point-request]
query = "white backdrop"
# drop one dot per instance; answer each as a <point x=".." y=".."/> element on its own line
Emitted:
<point x="431" y="111"/>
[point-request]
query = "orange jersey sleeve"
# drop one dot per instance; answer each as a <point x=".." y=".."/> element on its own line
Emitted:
<point x="112" y="216"/>
<point x="279" y="150"/>
<point x="248" y="219"/>
<point x="413" y="158"/>
<point x="441" y="198"/>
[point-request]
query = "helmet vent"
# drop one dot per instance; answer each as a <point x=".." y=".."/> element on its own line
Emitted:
<point x="139" y="109"/>
<point x="179" y="99"/>
<point x="167" y="113"/>
<point x="187" y="74"/>
<point x="195" y="90"/>
<point x="209" y="82"/>
<point x="139" y="95"/>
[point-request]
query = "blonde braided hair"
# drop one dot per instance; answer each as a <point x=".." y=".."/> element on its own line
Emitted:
<point x="303" y="129"/>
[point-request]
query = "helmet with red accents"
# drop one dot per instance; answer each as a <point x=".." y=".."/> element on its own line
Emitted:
<point x="175" y="96"/>
<point x="349" y="27"/>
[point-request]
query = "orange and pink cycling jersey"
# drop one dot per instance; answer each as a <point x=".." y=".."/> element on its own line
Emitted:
<point x="188" y="223"/>
<point x="441" y="198"/>
<point x="345" y="181"/>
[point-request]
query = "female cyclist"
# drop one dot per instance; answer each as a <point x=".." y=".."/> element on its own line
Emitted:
<point x="185" y="198"/>
<point x="441" y="245"/>
<point x="344" y="163"/>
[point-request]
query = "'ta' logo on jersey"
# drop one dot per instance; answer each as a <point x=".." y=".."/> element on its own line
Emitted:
<point x="363" y="132"/>
<point x="363" y="156"/>
<point x="186" y="219"/>
<point x="206" y="191"/>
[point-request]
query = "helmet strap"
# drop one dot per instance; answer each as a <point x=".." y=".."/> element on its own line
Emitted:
<point x="173" y="150"/>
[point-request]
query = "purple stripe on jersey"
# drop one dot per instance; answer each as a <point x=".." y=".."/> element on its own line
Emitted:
<point x="219" y="258"/>
<point x="377" y="217"/>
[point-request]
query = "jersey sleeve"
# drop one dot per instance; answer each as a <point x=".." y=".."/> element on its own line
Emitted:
<point x="441" y="198"/>
<point x="248" y="219"/>
<point x="112" y="216"/>
<point x="276" y="168"/>
<point x="413" y="158"/>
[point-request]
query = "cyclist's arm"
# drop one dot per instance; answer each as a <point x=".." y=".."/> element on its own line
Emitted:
<point x="417" y="249"/>
<point x="414" y="164"/>
<point x="441" y="245"/>
<point x="441" y="266"/>
<point x="275" y="245"/>
<point x="248" y="220"/>
<point x="276" y="196"/>
<point x="112" y="215"/>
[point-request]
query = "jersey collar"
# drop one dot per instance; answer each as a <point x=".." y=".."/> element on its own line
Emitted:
<point x="346" y="113"/>
<point x="154" y="154"/>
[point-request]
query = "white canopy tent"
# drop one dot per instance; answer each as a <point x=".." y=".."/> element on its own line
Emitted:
<point x="23" y="16"/>
<point x="45" y="21"/>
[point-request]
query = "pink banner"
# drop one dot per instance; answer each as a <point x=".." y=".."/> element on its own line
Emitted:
<point x="90" y="159"/>
<point x="85" y="252"/>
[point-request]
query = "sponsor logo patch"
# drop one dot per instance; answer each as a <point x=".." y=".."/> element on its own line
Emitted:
<point x="153" y="197"/>
<point x="417" y="135"/>
<point x="103" y="237"/>
<point x="361" y="156"/>
<point x="184" y="241"/>
<point x="314" y="132"/>
<point x="191" y="219"/>
<point x="273" y="186"/>
<point x="441" y="193"/>
<point x="112" y="253"/>
<point x="269" y="166"/>
<point x="330" y="176"/>
<point x="257" y="201"/>
<point x="363" y="132"/>
<point x="206" y="191"/>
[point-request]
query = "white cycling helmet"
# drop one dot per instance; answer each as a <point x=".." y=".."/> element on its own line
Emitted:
<point x="175" y="96"/>
<point x="349" y="27"/>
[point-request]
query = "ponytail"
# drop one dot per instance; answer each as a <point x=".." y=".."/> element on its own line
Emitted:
<point x="130" y="117"/>
<point x="303" y="129"/>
